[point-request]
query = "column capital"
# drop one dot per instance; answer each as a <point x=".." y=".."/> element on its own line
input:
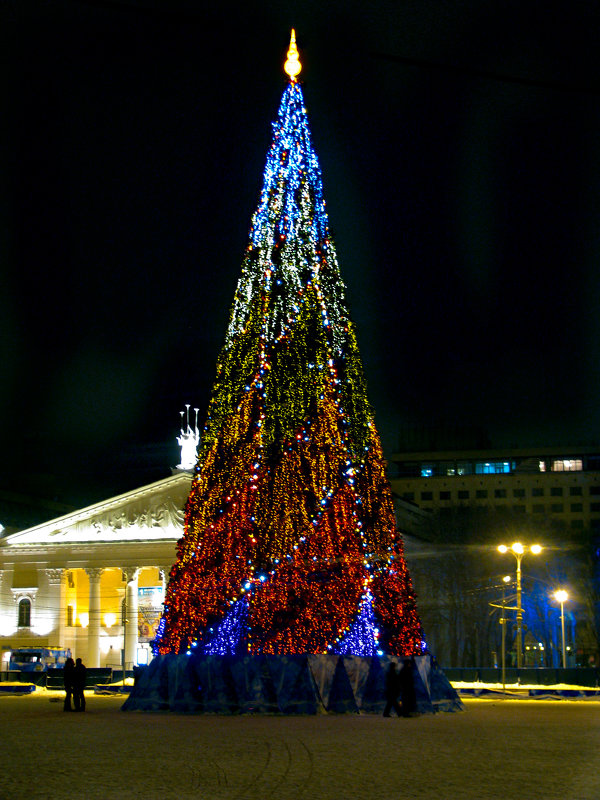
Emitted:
<point x="130" y="573"/>
<point x="54" y="576"/>
<point x="94" y="573"/>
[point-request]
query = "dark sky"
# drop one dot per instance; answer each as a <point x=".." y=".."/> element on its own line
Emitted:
<point x="459" y="143"/>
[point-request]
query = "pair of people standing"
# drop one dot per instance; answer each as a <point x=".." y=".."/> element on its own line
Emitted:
<point x="74" y="680"/>
<point x="400" y="683"/>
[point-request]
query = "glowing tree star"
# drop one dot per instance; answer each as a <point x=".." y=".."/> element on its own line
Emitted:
<point x="290" y="542"/>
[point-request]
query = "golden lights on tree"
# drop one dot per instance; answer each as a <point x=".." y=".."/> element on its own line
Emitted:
<point x="290" y="539"/>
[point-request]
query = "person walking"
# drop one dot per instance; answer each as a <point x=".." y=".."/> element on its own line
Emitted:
<point x="392" y="690"/>
<point x="79" y="685"/>
<point x="407" y="688"/>
<point x="68" y="676"/>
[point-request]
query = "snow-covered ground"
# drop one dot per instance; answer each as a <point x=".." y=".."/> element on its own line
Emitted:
<point x="496" y="749"/>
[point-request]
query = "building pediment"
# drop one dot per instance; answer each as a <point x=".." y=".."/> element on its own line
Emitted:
<point x="150" y="513"/>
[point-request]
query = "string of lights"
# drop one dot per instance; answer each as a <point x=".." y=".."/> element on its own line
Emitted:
<point x="290" y="543"/>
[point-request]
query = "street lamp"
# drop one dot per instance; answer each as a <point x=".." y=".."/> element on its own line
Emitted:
<point x="562" y="597"/>
<point x="518" y="550"/>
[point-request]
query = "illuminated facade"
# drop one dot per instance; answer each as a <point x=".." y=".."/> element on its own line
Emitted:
<point x="561" y="485"/>
<point x="94" y="580"/>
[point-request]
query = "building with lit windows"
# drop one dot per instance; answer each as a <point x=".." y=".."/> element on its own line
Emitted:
<point x="94" y="580"/>
<point x="557" y="484"/>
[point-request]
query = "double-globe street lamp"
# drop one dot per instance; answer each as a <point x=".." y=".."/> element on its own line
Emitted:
<point x="562" y="597"/>
<point x="518" y="550"/>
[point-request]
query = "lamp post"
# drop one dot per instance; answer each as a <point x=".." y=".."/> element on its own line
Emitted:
<point x="562" y="597"/>
<point x="505" y="580"/>
<point x="518" y="551"/>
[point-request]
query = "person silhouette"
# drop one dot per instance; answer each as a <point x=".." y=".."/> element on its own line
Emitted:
<point x="68" y="676"/>
<point x="392" y="690"/>
<point x="79" y="685"/>
<point x="407" y="688"/>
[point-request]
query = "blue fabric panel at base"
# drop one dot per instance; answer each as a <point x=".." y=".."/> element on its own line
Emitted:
<point x="295" y="689"/>
<point x="322" y="669"/>
<point x="357" y="670"/>
<point x="292" y="684"/>
<point x="254" y="685"/>
<point x="341" y="696"/>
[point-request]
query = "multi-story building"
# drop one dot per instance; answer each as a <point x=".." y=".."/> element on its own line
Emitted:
<point x="557" y="484"/>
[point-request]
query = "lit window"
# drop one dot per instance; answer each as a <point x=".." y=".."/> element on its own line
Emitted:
<point x="542" y="466"/>
<point x="426" y="472"/>
<point x="24" y="613"/>
<point x="492" y="467"/>
<point x="567" y="465"/>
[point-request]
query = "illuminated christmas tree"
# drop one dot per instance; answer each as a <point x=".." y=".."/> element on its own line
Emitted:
<point x="290" y="542"/>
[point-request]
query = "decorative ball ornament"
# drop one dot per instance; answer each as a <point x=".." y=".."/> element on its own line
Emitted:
<point x="292" y="66"/>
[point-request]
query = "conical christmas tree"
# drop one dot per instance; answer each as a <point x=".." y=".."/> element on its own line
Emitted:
<point x="290" y="543"/>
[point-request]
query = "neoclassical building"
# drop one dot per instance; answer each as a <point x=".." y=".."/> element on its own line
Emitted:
<point x="94" y="580"/>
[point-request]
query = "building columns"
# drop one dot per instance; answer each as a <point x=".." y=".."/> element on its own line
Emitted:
<point x="93" y="636"/>
<point x="55" y="578"/>
<point x="131" y="616"/>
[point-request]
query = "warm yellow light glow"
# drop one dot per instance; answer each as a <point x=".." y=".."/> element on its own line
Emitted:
<point x="561" y="595"/>
<point x="517" y="547"/>
<point x="109" y="620"/>
<point x="506" y="578"/>
<point x="84" y="619"/>
<point x="502" y="548"/>
<point x="536" y="549"/>
<point x="292" y="66"/>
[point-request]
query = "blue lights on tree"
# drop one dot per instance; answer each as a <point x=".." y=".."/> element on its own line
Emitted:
<point x="230" y="632"/>
<point x="361" y="639"/>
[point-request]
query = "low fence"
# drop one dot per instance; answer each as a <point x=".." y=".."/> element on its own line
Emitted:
<point x="53" y="678"/>
<point x="93" y="677"/>
<point x="527" y="676"/>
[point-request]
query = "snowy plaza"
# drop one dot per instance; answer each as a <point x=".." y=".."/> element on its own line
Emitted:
<point x="496" y="749"/>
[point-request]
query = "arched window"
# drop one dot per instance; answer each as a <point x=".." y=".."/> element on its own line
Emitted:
<point x="24" y="613"/>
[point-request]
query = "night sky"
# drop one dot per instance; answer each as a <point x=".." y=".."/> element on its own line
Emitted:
<point x="460" y="149"/>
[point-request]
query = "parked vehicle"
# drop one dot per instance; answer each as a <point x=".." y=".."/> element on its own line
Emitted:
<point x="37" y="659"/>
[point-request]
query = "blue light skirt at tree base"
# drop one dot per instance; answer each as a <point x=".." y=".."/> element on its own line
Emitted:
<point x="293" y="684"/>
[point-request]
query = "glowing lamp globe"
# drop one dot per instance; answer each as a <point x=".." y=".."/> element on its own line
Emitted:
<point x="536" y="549"/>
<point x="561" y="595"/>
